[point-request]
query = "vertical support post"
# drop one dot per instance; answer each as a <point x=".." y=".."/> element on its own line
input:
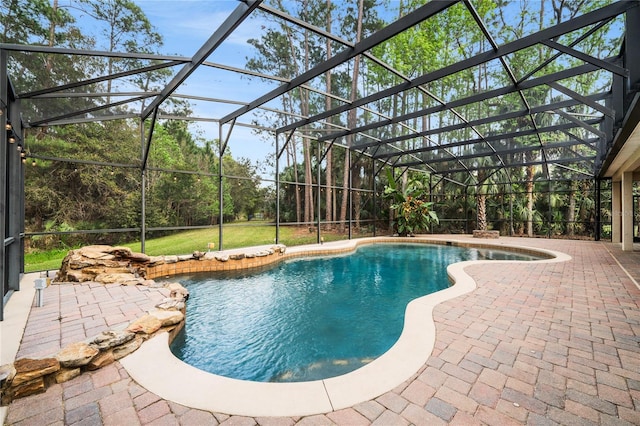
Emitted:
<point x="431" y="188"/>
<point x="22" y="204"/>
<point x="632" y="51"/>
<point x="375" y="196"/>
<point x="4" y="101"/>
<point x="598" y="218"/>
<point x="627" y="211"/>
<point x="319" y="236"/>
<point x="279" y="152"/>
<point x="616" y="211"/>
<point x="143" y="190"/>
<point x="550" y="212"/>
<point x="466" y="209"/>
<point x="511" y="230"/>
<point x="220" y="189"/>
<point x="14" y="190"/>
<point x="277" y="179"/>
<point x="350" y="193"/>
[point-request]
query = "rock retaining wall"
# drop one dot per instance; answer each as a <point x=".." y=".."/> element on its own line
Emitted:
<point x="108" y="265"/>
<point x="28" y="376"/>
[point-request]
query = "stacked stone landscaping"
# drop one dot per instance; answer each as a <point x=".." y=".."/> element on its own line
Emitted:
<point x="119" y="265"/>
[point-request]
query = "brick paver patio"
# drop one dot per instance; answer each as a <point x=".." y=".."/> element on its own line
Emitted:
<point x="547" y="344"/>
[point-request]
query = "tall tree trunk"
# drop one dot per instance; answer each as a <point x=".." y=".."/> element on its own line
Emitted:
<point x="571" y="210"/>
<point x="356" y="180"/>
<point x="327" y="104"/>
<point x="351" y="120"/>
<point x="345" y="189"/>
<point x="306" y="142"/>
<point x="482" y="211"/>
<point x="292" y="150"/>
<point x="529" y="190"/>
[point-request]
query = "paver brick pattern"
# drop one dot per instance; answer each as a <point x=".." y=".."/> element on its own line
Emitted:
<point x="543" y="344"/>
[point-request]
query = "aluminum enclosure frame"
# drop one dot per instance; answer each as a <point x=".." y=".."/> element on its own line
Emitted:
<point x="618" y="109"/>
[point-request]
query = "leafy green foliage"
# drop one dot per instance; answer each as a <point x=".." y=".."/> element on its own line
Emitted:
<point x="414" y="213"/>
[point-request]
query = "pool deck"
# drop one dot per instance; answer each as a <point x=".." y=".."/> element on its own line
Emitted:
<point x="537" y="343"/>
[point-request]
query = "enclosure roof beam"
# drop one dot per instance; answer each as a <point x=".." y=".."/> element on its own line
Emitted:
<point x="497" y="136"/>
<point x="584" y="36"/>
<point x="557" y="127"/>
<point x="63" y="122"/>
<point x="555" y="145"/>
<point x="68" y="95"/>
<point x="407" y="21"/>
<point x="585" y="126"/>
<point x="154" y="67"/>
<point x="582" y="21"/>
<point x="83" y="52"/>
<point x="561" y="75"/>
<point x="505" y="65"/>
<point x="85" y="162"/>
<point x="48" y="121"/>
<point x="488" y="120"/>
<point x="519" y="164"/>
<point x="348" y="44"/>
<point x="587" y="58"/>
<point x="582" y="99"/>
<point x="240" y="13"/>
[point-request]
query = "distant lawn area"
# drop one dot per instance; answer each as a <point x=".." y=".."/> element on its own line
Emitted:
<point x="245" y="234"/>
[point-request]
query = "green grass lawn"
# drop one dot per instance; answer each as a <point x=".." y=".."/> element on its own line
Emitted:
<point x="235" y="235"/>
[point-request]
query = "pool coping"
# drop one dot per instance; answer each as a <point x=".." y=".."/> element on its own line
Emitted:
<point x="155" y="368"/>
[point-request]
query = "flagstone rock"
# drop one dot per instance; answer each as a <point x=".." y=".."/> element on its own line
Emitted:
<point x="210" y="255"/>
<point x="28" y="369"/>
<point x="111" y="278"/>
<point x="177" y="291"/>
<point x="76" y="355"/>
<point x="147" y="324"/>
<point x="66" y="374"/>
<point x="156" y="260"/>
<point x="171" y="305"/>
<point x="111" y="338"/>
<point x="139" y="257"/>
<point x="118" y="251"/>
<point x="32" y="387"/>
<point x="127" y="348"/>
<point x="167" y="318"/>
<point x="96" y="252"/>
<point x="100" y="360"/>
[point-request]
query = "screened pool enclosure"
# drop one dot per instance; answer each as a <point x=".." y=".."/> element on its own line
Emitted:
<point x="126" y="121"/>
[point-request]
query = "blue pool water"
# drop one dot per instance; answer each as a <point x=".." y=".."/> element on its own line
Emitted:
<point x="312" y="318"/>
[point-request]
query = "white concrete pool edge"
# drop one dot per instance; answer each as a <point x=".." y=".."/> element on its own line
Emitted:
<point x="155" y="368"/>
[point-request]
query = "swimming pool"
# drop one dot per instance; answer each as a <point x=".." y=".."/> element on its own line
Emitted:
<point x="312" y="318"/>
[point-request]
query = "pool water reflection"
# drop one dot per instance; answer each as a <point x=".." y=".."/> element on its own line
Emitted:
<point x="312" y="318"/>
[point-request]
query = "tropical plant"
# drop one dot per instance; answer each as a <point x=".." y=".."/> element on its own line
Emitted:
<point x="414" y="213"/>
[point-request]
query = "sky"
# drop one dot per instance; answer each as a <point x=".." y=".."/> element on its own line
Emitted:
<point x="185" y="26"/>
